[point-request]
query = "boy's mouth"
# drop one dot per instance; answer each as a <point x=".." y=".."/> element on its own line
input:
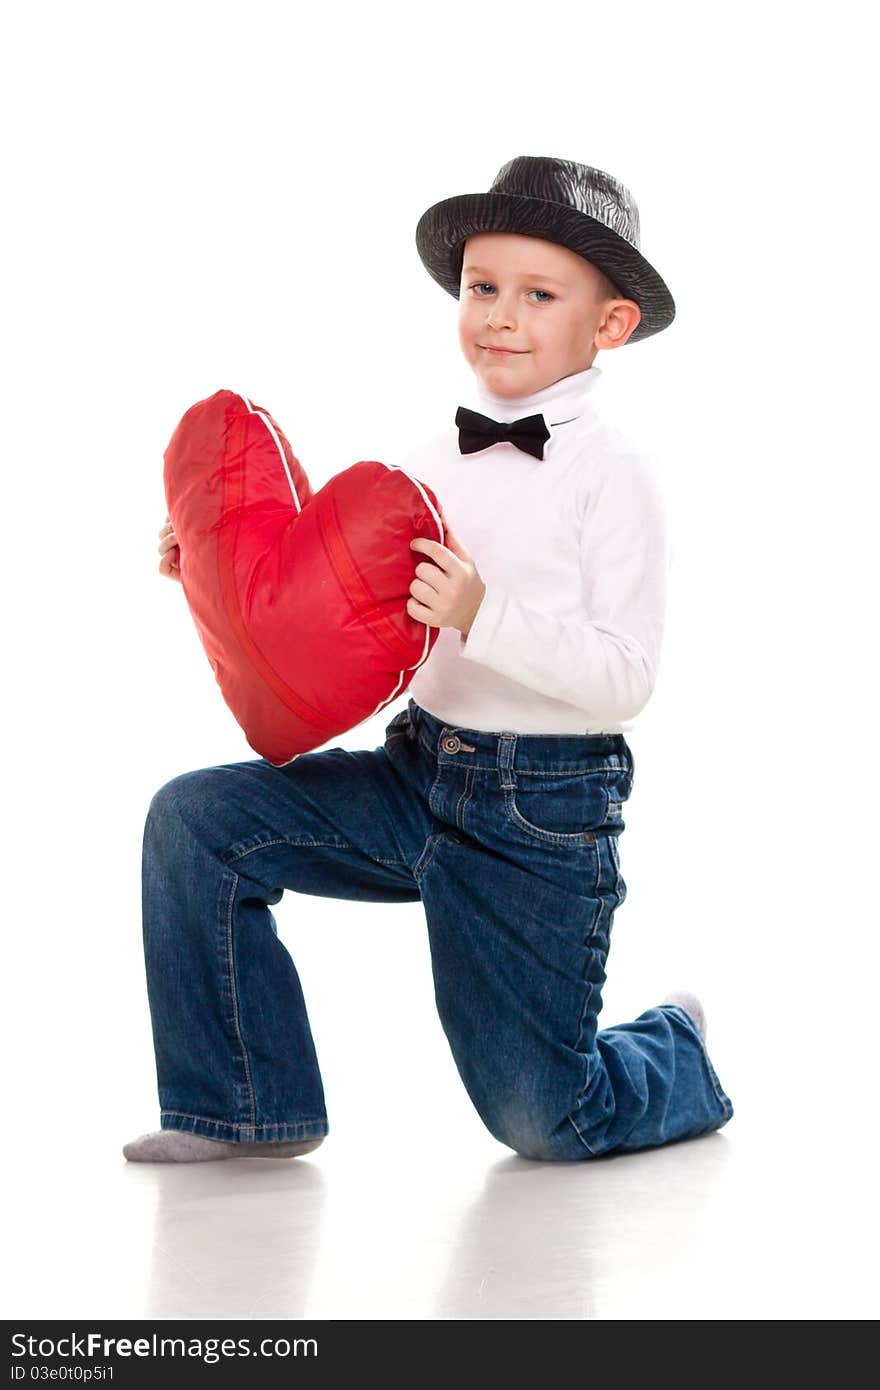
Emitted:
<point x="512" y="352"/>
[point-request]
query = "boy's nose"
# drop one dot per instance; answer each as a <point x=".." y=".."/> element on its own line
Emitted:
<point x="499" y="317"/>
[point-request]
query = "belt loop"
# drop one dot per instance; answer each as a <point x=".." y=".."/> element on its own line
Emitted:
<point x="506" y="756"/>
<point x="413" y="710"/>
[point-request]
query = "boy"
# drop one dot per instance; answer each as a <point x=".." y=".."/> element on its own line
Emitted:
<point x="496" y="799"/>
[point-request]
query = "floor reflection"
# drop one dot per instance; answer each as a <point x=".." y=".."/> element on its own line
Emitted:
<point x="549" y="1240"/>
<point x="257" y="1239"/>
<point x="234" y="1239"/>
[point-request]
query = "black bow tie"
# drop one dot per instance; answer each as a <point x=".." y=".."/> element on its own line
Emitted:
<point x="477" y="432"/>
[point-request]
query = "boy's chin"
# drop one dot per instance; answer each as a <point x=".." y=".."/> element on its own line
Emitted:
<point x="503" y="370"/>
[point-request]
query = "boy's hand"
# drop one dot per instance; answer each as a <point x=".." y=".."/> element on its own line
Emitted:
<point x="447" y="590"/>
<point x="170" y="552"/>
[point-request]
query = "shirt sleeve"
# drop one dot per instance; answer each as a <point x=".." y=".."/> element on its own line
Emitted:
<point x="606" y="662"/>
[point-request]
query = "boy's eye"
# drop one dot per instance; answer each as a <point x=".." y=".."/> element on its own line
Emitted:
<point x="483" y="284"/>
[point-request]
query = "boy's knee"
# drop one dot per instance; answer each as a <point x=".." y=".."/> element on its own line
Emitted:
<point x="183" y="795"/>
<point x="526" y="1130"/>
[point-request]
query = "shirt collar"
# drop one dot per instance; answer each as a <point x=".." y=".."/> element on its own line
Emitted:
<point x="561" y="401"/>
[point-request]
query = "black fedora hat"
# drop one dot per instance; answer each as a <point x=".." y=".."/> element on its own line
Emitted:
<point x="585" y="209"/>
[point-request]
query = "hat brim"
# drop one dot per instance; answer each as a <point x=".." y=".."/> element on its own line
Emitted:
<point x="444" y="228"/>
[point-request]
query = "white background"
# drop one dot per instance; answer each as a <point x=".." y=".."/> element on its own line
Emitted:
<point x="209" y="195"/>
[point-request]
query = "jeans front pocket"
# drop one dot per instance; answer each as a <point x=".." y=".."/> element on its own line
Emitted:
<point x="558" y="807"/>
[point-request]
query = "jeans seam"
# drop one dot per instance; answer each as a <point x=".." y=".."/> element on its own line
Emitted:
<point x="581" y="1137"/>
<point x="470" y="777"/>
<point x="434" y="842"/>
<point x="317" y="844"/>
<point x="614" y="851"/>
<point x="287" y="840"/>
<point x="234" y="1124"/>
<point x="590" y="951"/>
<point x="434" y="785"/>
<point x="230" y="956"/>
<point x="713" y="1078"/>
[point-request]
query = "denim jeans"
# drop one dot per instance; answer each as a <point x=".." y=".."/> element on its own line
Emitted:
<point x="510" y="842"/>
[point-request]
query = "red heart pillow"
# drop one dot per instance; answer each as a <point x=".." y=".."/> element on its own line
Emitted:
<point x="299" y="598"/>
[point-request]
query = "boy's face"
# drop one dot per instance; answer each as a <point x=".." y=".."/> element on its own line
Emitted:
<point x="545" y="304"/>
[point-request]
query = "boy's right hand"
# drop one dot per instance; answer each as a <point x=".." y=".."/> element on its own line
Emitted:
<point x="169" y="551"/>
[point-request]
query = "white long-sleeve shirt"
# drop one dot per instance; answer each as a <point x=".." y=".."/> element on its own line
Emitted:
<point x="574" y="552"/>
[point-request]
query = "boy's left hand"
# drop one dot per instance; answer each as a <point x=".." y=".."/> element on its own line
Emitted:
<point x="447" y="590"/>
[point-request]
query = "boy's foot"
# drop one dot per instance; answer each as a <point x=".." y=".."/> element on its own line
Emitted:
<point x="691" y="1005"/>
<point x="179" y="1146"/>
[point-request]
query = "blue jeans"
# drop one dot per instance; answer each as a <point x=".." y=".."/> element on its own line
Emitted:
<point x="510" y="841"/>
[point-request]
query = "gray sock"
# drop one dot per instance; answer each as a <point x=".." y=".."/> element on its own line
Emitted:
<point x="691" y="1005"/>
<point x="179" y="1146"/>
